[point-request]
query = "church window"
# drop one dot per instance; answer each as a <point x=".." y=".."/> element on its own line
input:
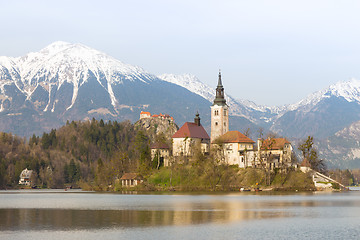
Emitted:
<point x="225" y="124"/>
<point x="216" y="123"/>
<point x="224" y="112"/>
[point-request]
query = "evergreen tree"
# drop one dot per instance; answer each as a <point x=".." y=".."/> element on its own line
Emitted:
<point x="45" y="141"/>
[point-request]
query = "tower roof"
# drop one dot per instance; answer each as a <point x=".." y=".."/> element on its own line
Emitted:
<point x="197" y="119"/>
<point x="220" y="96"/>
<point x="219" y="80"/>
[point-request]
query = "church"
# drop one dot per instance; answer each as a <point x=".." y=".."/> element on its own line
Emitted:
<point x="234" y="147"/>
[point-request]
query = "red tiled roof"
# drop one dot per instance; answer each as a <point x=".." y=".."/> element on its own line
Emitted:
<point x="131" y="176"/>
<point x="162" y="116"/>
<point x="147" y="113"/>
<point x="234" y="137"/>
<point x="191" y="130"/>
<point x="159" y="145"/>
<point x="274" y="143"/>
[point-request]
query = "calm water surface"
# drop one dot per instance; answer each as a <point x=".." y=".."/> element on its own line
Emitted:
<point x="56" y="214"/>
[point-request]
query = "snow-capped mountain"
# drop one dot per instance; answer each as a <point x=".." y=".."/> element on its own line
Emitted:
<point x="348" y="90"/>
<point x="192" y="83"/>
<point x="322" y="113"/>
<point x="61" y="63"/>
<point x="67" y="81"/>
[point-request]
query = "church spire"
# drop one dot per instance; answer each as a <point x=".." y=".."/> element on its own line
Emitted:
<point x="220" y="96"/>
<point x="219" y="81"/>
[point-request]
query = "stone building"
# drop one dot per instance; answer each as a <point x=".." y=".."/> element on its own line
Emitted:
<point x="274" y="152"/>
<point x="162" y="151"/>
<point x="236" y="147"/>
<point x="189" y="138"/>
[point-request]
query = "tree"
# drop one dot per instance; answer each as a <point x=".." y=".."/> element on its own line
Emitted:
<point x="33" y="140"/>
<point x="72" y="172"/>
<point x="143" y="151"/>
<point x="260" y="132"/>
<point x="310" y="153"/>
<point x="247" y="132"/>
<point x="46" y="141"/>
<point x="156" y="160"/>
<point x="265" y="157"/>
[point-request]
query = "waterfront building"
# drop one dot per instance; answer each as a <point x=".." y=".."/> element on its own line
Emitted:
<point x="131" y="179"/>
<point x="25" y="177"/>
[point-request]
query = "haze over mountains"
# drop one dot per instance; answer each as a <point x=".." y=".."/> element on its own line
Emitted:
<point x="64" y="81"/>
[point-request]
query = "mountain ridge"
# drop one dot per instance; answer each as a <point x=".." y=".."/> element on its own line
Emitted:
<point x="71" y="81"/>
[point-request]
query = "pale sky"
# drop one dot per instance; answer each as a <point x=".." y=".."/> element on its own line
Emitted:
<point x="269" y="52"/>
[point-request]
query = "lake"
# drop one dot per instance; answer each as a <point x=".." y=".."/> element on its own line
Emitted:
<point x="59" y="214"/>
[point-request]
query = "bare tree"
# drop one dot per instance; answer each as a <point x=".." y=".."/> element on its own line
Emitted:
<point x="247" y="132"/>
<point x="266" y="157"/>
<point x="260" y="132"/>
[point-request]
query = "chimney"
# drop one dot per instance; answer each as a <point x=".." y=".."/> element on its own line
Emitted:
<point x="197" y="119"/>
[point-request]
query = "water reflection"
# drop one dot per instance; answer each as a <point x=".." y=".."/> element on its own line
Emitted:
<point x="26" y="219"/>
<point x="74" y="211"/>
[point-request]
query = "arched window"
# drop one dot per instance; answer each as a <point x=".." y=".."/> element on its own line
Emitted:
<point x="216" y="123"/>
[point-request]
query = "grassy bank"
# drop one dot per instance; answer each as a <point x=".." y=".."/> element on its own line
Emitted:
<point x="222" y="179"/>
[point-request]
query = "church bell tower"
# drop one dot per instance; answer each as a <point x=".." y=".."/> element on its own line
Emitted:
<point x="219" y="113"/>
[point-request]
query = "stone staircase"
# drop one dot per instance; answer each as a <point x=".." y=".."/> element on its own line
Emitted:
<point x="319" y="177"/>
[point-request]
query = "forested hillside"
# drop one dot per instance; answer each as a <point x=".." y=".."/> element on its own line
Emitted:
<point x="93" y="152"/>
